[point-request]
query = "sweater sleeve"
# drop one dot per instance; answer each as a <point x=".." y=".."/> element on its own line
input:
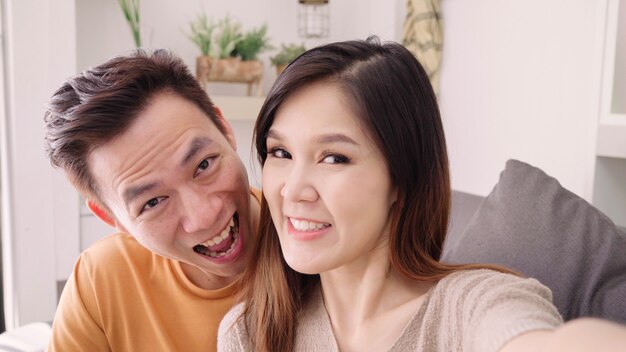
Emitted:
<point x="501" y="307"/>
<point x="232" y="335"/>
<point x="77" y="325"/>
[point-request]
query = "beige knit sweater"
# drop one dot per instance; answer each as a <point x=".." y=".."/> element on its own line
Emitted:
<point x="477" y="311"/>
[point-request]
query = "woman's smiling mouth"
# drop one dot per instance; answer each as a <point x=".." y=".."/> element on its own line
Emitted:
<point x="306" y="229"/>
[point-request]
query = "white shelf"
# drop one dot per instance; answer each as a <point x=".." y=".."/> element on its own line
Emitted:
<point x="610" y="188"/>
<point x="239" y="108"/>
<point x="612" y="136"/>
<point x="609" y="185"/>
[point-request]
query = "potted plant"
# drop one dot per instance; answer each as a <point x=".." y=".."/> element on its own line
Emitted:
<point x="286" y="54"/>
<point x="229" y="34"/>
<point x="202" y="34"/>
<point x="253" y="43"/>
<point x="227" y="54"/>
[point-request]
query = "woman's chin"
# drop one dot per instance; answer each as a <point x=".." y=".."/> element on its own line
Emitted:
<point x="303" y="266"/>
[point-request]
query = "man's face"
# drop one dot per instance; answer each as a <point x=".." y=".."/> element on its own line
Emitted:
<point x="176" y="183"/>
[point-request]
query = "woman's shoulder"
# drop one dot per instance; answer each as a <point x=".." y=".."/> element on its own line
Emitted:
<point x="232" y="334"/>
<point x="492" y="307"/>
<point x="488" y="279"/>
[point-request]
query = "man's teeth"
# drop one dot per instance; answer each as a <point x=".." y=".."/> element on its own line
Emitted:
<point x="220" y="237"/>
<point x="303" y="225"/>
<point x="221" y="254"/>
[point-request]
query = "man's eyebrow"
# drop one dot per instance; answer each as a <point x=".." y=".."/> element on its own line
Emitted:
<point x="196" y="145"/>
<point x="133" y="192"/>
<point x="328" y="138"/>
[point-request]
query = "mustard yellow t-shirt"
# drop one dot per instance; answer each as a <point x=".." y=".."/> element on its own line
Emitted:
<point x="123" y="297"/>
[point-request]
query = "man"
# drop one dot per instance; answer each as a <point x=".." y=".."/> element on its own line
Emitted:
<point x="140" y="139"/>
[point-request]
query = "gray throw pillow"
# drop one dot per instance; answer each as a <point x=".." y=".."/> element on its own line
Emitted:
<point x="534" y="226"/>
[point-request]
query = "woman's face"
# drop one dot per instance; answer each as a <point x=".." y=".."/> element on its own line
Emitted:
<point x="326" y="182"/>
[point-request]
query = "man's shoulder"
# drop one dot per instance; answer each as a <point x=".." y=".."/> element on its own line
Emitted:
<point x="115" y="243"/>
<point x="116" y="249"/>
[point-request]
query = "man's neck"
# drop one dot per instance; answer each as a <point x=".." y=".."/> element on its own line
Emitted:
<point x="204" y="279"/>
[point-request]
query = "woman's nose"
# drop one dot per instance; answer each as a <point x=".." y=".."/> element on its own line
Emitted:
<point x="299" y="185"/>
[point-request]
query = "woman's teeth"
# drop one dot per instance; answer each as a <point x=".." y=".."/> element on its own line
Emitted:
<point x="303" y="225"/>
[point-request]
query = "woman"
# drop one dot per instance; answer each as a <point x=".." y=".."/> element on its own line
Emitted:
<point x="355" y="176"/>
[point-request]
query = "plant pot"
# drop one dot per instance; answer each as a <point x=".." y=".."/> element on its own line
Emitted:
<point x="231" y="70"/>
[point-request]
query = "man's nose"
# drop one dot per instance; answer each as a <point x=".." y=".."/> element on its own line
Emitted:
<point x="200" y="211"/>
<point x="298" y="185"/>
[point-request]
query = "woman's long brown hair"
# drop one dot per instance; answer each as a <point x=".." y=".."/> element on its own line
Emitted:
<point x="390" y="92"/>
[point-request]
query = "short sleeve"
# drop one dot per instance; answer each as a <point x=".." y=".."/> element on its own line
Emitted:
<point x="500" y="307"/>
<point x="77" y="324"/>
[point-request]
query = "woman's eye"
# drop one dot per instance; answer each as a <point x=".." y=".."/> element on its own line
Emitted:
<point x="280" y="153"/>
<point x="152" y="203"/>
<point x="335" y="159"/>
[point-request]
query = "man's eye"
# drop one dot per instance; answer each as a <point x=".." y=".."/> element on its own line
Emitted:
<point x="204" y="164"/>
<point x="152" y="203"/>
<point x="280" y="153"/>
<point x="335" y="159"/>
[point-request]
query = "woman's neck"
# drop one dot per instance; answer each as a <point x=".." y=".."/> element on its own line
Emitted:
<point x="369" y="303"/>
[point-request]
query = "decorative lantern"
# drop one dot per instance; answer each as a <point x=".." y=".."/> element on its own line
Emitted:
<point x="313" y="19"/>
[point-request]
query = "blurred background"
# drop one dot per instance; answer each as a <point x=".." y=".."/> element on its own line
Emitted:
<point x="542" y="81"/>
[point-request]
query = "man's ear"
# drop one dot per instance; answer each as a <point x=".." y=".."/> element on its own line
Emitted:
<point x="101" y="213"/>
<point x="228" y="130"/>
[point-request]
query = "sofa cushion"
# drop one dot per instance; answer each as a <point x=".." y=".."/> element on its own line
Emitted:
<point x="464" y="206"/>
<point x="534" y="226"/>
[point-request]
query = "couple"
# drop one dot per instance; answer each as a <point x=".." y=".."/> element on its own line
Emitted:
<point x="341" y="252"/>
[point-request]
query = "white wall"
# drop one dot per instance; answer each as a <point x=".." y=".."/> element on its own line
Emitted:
<point x="40" y="52"/>
<point x="520" y="79"/>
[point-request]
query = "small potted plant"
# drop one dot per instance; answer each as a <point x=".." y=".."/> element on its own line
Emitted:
<point x="202" y="35"/>
<point x="286" y="54"/>
<point x="253" y="43"/>
<point x="228" y="55"/>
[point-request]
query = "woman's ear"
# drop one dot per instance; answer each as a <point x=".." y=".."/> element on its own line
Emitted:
<point x="101" y="213"/>
<point x="228" y="130"/>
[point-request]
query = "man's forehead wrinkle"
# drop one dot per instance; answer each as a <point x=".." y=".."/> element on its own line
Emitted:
<point x="133" y="192"/>
<point x="129" y="180"/>
<point x="197" y="144"/>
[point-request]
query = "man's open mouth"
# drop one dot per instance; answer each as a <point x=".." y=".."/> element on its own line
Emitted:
<point x="223" y="243"/>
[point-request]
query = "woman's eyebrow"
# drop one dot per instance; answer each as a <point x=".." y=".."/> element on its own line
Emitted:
<point x="328" y="138"/>
<point x="273" y="134"/>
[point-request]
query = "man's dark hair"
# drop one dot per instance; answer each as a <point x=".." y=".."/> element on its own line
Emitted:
<point x="102" y="102"/>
